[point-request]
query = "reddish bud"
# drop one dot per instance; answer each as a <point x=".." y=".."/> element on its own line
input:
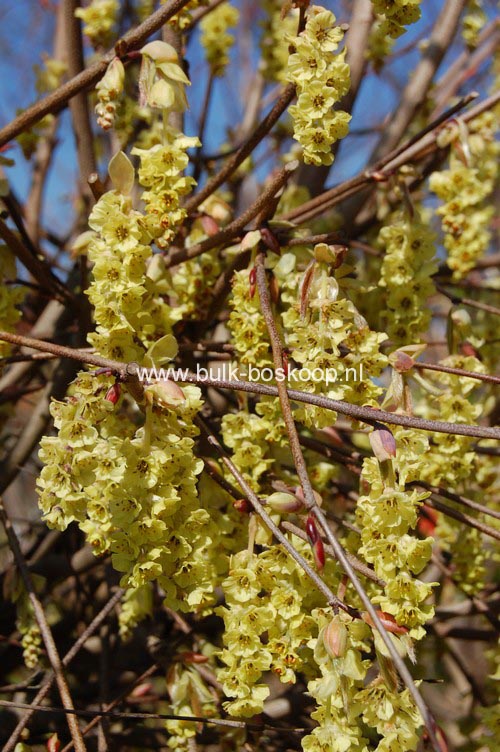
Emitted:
<point x="252" y="279"/>
<point x="312" y="530"/>
<point x="243" y="506"/>
<point x="383" y="444"/>
<point x="335" y="638"/>
<point x="319" y="554"/>
<point x="190" y="657"/>
<point x="113" y="393"/>
<point x="210" y="226"/>
<point x="286" y="365"/>
<point x="401" y="361"/>
<point x="270" y="240"/>
<point x="142" y="690"/>
<point x="53" y="744"/>
<point x="427" y="521"/>
<point x="388" y="622"/>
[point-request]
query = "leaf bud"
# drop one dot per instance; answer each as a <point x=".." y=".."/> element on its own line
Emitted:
<point x="242" y="506"/>
<point x="282" y="502"/>
<point x="53" y="743"/>
<point x="383" y="444"/>
<point x="388" y="622"/>
<point x="335" y="638"/>
<point x="270" y="240"/>
<point x="330" y="254"/>
<point x="401" y="361"/>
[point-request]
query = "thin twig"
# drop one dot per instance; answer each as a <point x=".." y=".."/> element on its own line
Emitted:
<point x="47" y="637"/>
<point x="236" y="226"/>
<point x="311" y="503"/>
<point x="368" y="415"/>
<point x="259" y="508"/>
<point x="49" y="680"/>
<point x="58" y="99"/>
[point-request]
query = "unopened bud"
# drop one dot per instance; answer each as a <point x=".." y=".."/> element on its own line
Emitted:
<point x="113" y="393"/>
<point x="242" y="506"/>
<point x="319" y="554"/>
<point x="283" y="502"/>
<point x="252" y="280"/>
<point x="401" y="361"/>
<point x="53" y="744"/>
<point x="210" y="226"/>
<point x="168" y="393"/>
<point x="311" y="530"/>
<point x="274" y="289"/>
<point x="270" y="240"/>
<point x="330" y="254"/>
<point x="388" y="622"/>
<point x="383" y="444"/>
<point x="335" y="638"/>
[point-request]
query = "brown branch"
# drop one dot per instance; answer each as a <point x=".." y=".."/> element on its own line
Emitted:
<point x="234" y="228"/>
<point x="245" y="149"/>
<point x="90" y="76"/>
<point x="259" y="508"/>
<point x="79" y="107"/>
<point x="47" y="637"/>
<point x="365" y="414"/>
<point x="38" y="267"/>
<point x="49" y="680"/>
<point x="465" y="518"/>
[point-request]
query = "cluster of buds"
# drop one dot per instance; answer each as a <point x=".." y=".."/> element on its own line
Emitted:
<point x="109" y="89"/>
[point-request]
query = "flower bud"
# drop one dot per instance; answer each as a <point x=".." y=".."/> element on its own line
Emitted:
<point x="312" y="530"/>
<point x="319" y="554"/>
<point x="242" y="506"/>
<point x="113" y="393"/>
<point x="210" y="226"/>
<point x="335" y="638"/>
<point x="252" y="279"/>
<point x="53" y="743"/>
<point x="282" y="502"/>
<point x="383" y="444"/>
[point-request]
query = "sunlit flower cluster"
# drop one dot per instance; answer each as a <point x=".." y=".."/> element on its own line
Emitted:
<point x="322" y="78"/>
<point x="99" y="19"/>
<point x="216" y="39"/>
<point x="407" y="266"/>
<point x="463" y="189"/>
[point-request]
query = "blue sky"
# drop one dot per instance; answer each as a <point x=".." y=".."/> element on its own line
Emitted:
<point x="27" y="30"/>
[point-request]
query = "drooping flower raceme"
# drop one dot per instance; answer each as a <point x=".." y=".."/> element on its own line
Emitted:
<point x="321" y="77"/>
